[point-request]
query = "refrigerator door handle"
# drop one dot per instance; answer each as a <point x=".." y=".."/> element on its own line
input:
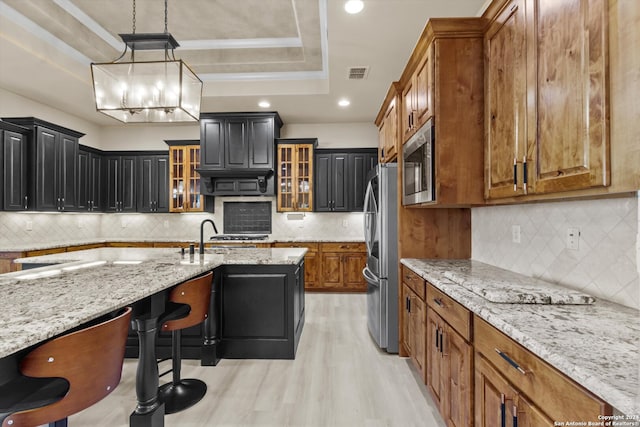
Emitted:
<point x="369" y="217"/>
<point x="370" y="277"/>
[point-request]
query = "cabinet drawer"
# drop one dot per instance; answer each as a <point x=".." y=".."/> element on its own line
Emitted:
<point x="451" y="311"/>
<point x="561" y="398"/>
<point x="312" y="247"/>
<point x="343" y="247"/>
<point x="415" y="282"/>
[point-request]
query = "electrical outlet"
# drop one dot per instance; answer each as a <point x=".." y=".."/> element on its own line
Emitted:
<point x="515" y="233"/>
<point x="166" y="223"/>
<point x="28" y="225"/>
<point x="573" y="238"/>
<point x="345" y="223"/>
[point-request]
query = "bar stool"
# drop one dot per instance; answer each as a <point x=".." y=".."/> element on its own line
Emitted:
<point x="187" y="306"/>
<point x="66" y="374"/>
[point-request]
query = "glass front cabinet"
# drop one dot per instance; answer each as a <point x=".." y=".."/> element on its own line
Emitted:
<point x="295" y="174"/>
<point x="184" y="189"/>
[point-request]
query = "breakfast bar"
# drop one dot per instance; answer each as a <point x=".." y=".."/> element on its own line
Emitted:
<point x="76" y="287"/>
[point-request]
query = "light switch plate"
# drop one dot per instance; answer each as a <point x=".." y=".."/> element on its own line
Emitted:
<point x="573" y="238"/>
<point x="515" y="233"/>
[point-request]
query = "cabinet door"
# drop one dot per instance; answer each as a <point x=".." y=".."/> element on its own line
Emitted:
<point x="95" y="175"/>
<point x="340" y="183"/>
<point x="382" y="140"/>
<point x="147" y="183"/>
<point x="162" y="193"/>
<point x="112" y="184"/>
<point x="417" y="333"/>
<point x="434" y="354"/>
<point x="128" y="176"/>
<point x="529" y="415"/>
<point x="322" y="187"/>
<point x="332" y="272"/>
<point x="408" y="94"/>
<point x="212" y="143"/>
<point x="391" y="132"/>
<point x="494" y="397"/>
<point x="360" y="164"/>
<point x="311" y="269"/>
<point x="236" y="143"/>
<point x="458" y="380"/>
<point x="84" y="180"/>
<point x="354" y="263"/>
<point x="304" y="177"/>
<point x="47" y="170"/>
<point x="506" y="109"/>
<point x="15" y="171"/>
<point x="261" y="143"/>
<point x="68" y="172"/>
<point x="572" y="84"/>
<point x="424" y="88"/>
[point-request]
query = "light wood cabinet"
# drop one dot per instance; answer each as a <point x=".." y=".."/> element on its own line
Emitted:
<point x="413" y="320"/>
<point x="547" y="112"/>
<point x="341" y="267"/>
<point x="184" y="181"/>
<point x="550" y="395"/>
<point x="449" y="353"/>
<point x="417" y="95"/>
<point x="295" y="174"/>
<point x="387" y="122"/>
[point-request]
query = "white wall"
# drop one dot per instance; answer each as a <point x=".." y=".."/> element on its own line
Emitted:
<point x="335" y="135"/>
<point x="12" y="105"/>
<point x="134" y="137"/>
<point x="606" y="264"/>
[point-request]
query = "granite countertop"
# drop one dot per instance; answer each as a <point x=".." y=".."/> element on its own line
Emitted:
<point x="83" y="285"/>
<point x="596" y="345"/>
<point x="77" y="242"/>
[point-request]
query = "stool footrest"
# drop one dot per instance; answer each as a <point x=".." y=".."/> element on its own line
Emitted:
<point x="178" y="397"/>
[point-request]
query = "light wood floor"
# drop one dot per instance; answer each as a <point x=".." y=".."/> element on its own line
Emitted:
<point x="339" y="378"/>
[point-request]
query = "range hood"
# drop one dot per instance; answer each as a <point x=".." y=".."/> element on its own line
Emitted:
<point x="236" y="181"/>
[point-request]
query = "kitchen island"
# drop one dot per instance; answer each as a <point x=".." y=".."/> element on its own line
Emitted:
<point x="595" y="345"/>
<point x="79" y="286"/>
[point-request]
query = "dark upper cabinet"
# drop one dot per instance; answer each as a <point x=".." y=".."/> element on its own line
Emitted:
<point x="13" y="159"/>
<point x="340" y="179"/>
<point x="120" y="183"/>
<point x="89" y="180"/>
<point x="52" y="165"/>
<point x="153" y="183"/>
<point x="360" y="164"/>
<point x="238" y="140"/>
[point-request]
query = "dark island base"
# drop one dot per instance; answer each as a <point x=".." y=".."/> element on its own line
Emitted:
<point x="257" y="312"/>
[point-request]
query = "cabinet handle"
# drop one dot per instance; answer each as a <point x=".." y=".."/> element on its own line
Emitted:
<point x="515" y="174"/>
<point x="515" y="416"/>
<point x="438" y="302"/>
<point x="437" y="346"/>
<point x="62" y="204"/>
<point x="441" y="346"/>
<point x="408" y="304"/>
<point x="524" y="173"/>
<point x="25" y="202"/>
<point x="511" y="361"/>
<point x="503" y="414"/>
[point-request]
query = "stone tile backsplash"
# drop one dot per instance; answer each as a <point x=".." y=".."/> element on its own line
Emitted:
<point x="606" y="263"/>
<point x="22" y="228"/>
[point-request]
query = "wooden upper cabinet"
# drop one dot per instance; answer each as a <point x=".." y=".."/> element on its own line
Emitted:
<point x="506" y="96"/>
<point x="295" y="174"/>
<point x="572" y="91"/>
<point x="417" y="94"/>
<point x="546" y="106"/>
<point x="387" y="122"/>
<point x="184" y="181"/>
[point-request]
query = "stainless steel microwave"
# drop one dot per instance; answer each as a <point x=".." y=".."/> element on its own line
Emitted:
<point x="417" y="167"/>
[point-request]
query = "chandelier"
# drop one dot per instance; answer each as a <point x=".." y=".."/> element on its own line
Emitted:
<point x="147" y="91"/>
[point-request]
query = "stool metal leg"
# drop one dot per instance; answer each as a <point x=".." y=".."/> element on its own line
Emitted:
<point x="180" y="394"/>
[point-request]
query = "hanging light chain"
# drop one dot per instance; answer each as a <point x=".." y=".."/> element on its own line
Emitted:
<point x="166" y="19"/>
<point x="134" y="16"/>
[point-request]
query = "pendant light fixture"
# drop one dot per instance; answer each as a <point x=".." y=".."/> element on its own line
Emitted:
<point x="147" y="91"/>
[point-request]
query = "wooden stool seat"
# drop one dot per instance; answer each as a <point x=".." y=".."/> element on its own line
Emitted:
<point x="188" y="306"/>
<point x="66" y="374"/>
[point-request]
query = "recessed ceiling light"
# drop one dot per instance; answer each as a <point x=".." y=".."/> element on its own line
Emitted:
<point x="264" y="104"/>
<point x="344" y="102"/>
<point x="354" y="6"/>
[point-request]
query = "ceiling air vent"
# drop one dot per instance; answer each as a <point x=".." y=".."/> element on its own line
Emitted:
<point x="358" y="73"/>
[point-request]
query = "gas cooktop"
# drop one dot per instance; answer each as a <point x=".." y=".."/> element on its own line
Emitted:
<point x="239" y="237"/>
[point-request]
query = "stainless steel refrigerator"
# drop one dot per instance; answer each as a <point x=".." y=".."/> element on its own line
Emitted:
<point x="381" y="272"/>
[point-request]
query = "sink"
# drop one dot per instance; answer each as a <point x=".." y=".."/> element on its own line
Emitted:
<point x="502" y="286"/>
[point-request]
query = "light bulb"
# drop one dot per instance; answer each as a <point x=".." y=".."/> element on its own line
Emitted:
<point x="354" y="6"/>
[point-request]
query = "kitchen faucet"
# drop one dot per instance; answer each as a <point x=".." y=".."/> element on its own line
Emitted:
<point x="202" y="233"/>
